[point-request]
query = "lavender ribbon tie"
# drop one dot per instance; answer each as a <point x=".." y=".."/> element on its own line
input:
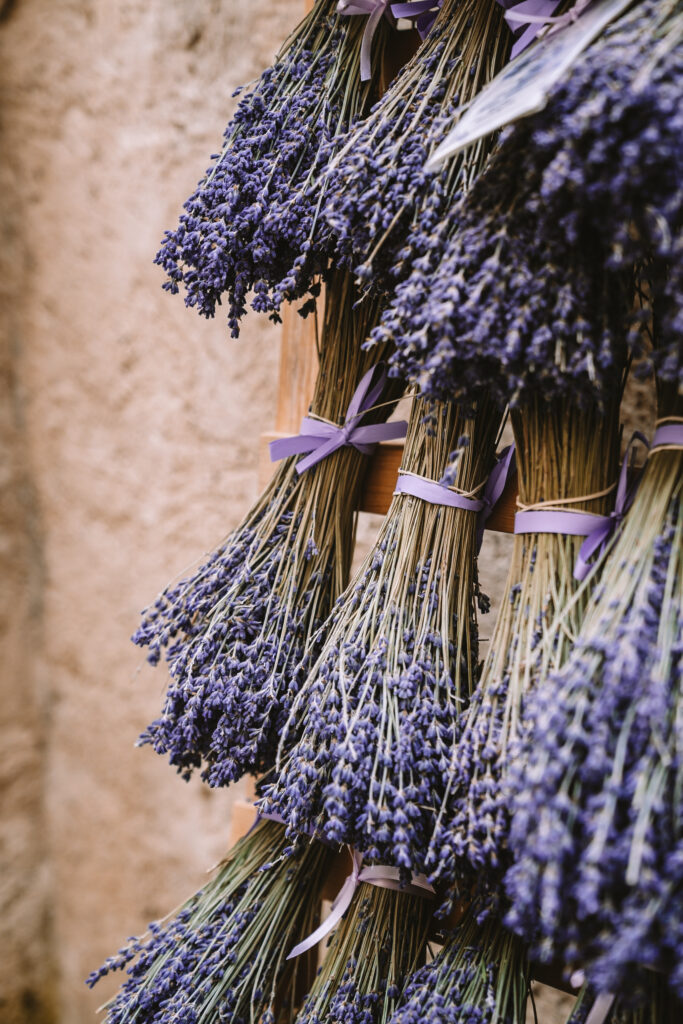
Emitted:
<point x="376" y="874"/>
<point x="668" y="434"/>
<point x="441" y="494"/>
<point x="596" y="540"/>
<point x="422" y="12"/>
<point x="322" y="439"/>
<point x="375" y="9"/>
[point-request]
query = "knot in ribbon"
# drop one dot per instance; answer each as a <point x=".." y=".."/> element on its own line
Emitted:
<point x="534" y="15"/>
<point x="422" y="12"/>
<point x="322" y="439"/>
<point x="375" y="9"/>
<point x="441" y="494"/>
<point x="375" y="874"/>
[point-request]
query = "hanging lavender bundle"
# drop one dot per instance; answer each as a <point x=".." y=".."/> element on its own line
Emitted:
<point x="598" y="810"/>
<point x="235" y="630"/>
<point x="379" y="210"/>
<point x="249" y="219"/>
<point x="480" y="976"/>
<point x="369" y="735"/>
<point x="594" y="182"/>
<point x="566" y="464"/>
<point x="379" y="942"/>
<point x="222" y="956"/>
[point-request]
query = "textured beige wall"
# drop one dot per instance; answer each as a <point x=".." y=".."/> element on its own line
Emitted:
<point x="124" y="456"/>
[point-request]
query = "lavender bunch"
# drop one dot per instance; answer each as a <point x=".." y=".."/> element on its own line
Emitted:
<point x="380" y="210"/>
<point x="597" y="812"/>
<point x="369" y="735"/>
<point x="480" y="976"/>
<point x="235" y="630"/>
<point x="533" y="276"/>
<point x="379" y="942"/>
<point x="249" y="220"/>
<point x="222" y="956"/>
<point x="566" y="458"/>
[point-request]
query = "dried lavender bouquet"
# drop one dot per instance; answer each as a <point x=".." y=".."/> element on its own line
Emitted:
<point x="480" y="976"/>
<point x="566" y="460"/>
<point x="249" y="219"/>
<point x="597" y="804"/>
<point x="234" y="630"/>
<point x="378" y="208"/>
<point x="594" y="180"/>
<point x="379" y="942"/>
<point x="222" y="956"/>
<point x="369" y="734"/>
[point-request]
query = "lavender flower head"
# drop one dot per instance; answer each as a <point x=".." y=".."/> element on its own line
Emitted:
<point x="249" y="221"/>
<point x="533" y="269"/>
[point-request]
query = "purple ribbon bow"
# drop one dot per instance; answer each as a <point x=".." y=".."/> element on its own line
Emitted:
<point x="422" y="12"/>
<point x="376" y="874"/>
<point x="441" y="494"/>
<point x="533" y="15"/>
<point x="322" y="439"/>
<point x="375" y="9"/>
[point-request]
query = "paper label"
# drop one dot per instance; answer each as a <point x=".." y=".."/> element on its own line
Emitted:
<point x="523" y="86"/>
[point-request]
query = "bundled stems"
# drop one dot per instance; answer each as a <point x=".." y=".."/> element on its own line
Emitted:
<point x="223" y="954"/>
<point x="563" y="453"/>
<point x="236" y="629"/>
<point x="380" y="941"/>
<point x="369" y="735"/>
<point x="480" y="976"/>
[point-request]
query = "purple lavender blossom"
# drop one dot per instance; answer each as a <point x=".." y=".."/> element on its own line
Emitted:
<point x="248" y="224"/>
<point x="526" y="280"/>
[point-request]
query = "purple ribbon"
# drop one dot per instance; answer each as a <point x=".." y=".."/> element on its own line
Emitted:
<point x="600" y="1008"/>
<point x="375" y="9"/>
<point x="376" y="874"/>
<point x="322" y="439"/>
<point x="668" y="434"/>
<point x="596" y="529"/>
<point x="422" y="12"/>
<point x="532" y="15"/>
<point x="440" y="494"/>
